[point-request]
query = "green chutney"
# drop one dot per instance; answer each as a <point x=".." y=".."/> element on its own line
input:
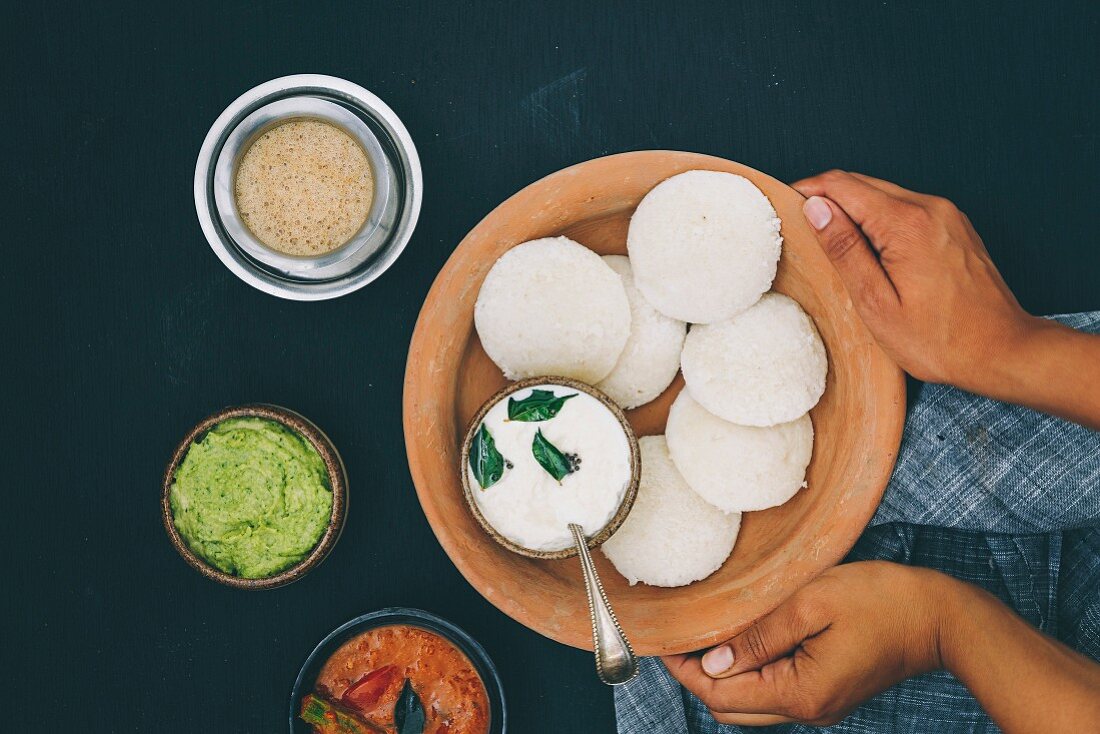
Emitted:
<point x="251" y="497"/>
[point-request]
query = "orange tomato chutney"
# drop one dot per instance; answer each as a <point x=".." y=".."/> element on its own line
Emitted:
<point x="367" y="673"/>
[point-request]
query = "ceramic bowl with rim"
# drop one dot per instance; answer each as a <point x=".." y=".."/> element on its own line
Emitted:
<point x="337" y="477"/>
<point x="857" y="423"/>
<point x="627" y="502"/>
<point x="395" y="167"/>
<point x="367" y="239"/>
<point x="483" y="664"/>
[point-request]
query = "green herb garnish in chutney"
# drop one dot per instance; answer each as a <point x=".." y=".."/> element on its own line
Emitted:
<point x="408" y="712"/>
<point x="550" y="458"/>
<point x="540" y="405"/>
<point x="251" y="497"/>
<point x="485" y="461"/>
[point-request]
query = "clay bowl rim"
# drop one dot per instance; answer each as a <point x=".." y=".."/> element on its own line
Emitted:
<point x="338" y="482"/>
<point x="625" y="504"/>
<point x="432" y="394"/>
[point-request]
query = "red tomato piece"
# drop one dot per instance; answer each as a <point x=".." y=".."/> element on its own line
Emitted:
<point x="365" y="693"/>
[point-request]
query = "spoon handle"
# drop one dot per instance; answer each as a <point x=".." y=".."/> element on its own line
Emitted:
<point x="615" y="660"/>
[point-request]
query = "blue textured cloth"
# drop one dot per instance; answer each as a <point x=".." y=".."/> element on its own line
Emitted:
<point x="997" y="495"/>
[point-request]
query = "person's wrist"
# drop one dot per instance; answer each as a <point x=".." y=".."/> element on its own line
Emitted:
<point x="1018" y="354"/>
<point x="941" y="600"/>
<point x="959" y="607"/>
<point x="997" y="364"/>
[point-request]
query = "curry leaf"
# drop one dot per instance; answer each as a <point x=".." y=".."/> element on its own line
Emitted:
<point x="408" y="712"/>
<point x="540" y="405"/>
<point x="485" y="460"/>
<point x="550" y="458"/>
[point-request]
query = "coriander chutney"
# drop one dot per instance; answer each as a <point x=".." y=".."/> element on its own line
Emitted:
<point x="251" y="497"/>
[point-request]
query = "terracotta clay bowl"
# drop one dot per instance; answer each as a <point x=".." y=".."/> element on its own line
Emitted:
<point x="628" y="497"/>
<point x="337" y="477"/>
<point x="857" y="423"/>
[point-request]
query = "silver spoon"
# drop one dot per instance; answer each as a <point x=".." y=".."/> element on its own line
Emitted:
<point x="615" y="660"/>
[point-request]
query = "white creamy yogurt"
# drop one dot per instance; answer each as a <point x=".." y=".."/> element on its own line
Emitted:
<point x="528" y="506"/>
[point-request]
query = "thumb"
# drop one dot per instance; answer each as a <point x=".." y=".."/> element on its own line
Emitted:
<point x="767" y="640"/>
<point x="843" y="242"/>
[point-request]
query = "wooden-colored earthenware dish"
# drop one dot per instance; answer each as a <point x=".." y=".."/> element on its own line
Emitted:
<point x="628" y="497"/>
<point x="857" y="423"/>
<point x="337" y="477"/>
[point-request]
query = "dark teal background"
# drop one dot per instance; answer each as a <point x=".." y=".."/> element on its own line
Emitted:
<point x="120" y="328"/>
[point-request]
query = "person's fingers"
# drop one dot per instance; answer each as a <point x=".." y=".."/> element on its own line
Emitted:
<point x="864" y="204"/>
<point x="770" y="638"/>
<point x="751" y="719"/>
<point x="754" y="692"/>
<point x="889" y="187"/>
<point x="852" y="256"/>
<point x="688" y="670"/>
<point x="718" y="660"/>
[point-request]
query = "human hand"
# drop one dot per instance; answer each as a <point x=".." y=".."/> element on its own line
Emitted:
<point x="854" y="631"/>
<point x="919" y="275"/>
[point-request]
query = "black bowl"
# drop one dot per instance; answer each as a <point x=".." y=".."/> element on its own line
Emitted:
<point x="413" y="618"/>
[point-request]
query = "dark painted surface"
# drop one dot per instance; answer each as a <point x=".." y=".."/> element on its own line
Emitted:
<point x="122" y="329"/>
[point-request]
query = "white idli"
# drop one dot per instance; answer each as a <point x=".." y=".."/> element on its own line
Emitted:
<point x="553" y="307"/>
<point x="671" y="536"/>
<point x="764" y="366"/>
<point x="704" y="245"/>
<point x="738" y="468"/>
<point x="651" y="357"/>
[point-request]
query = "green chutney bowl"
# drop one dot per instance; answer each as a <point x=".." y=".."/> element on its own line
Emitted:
<point x="338" y="482"/>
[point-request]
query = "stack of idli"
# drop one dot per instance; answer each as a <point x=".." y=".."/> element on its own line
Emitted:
<point x="671" y="537"/>
<point x="554" y="307"/>
<point x="764" y="366"/>
<point x="704" y="245"/>
<point x="703" y="248"/>
<point x="738" y="468"/>
<point x="651" y="357"/>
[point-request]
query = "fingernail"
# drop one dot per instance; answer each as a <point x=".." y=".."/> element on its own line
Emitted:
<point x="818" y="212"/>
<point x="718" y="660"/>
